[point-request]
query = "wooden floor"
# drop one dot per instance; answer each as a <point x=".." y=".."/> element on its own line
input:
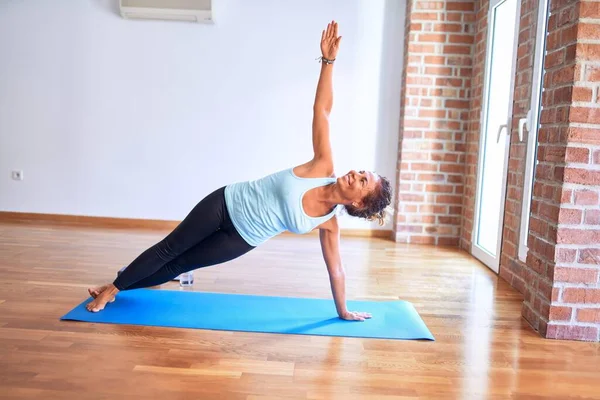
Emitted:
<point x="484" y="350"/>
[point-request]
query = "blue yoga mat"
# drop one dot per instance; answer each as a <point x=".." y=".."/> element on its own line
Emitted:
<point x="236" y="312"/>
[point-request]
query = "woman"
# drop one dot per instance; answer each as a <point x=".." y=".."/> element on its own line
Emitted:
<point x="235" y="219"/>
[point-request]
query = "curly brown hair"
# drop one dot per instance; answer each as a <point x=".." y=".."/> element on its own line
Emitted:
<point x="375" y="203"/>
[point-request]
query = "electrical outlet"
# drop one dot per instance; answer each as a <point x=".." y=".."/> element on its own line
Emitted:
<point x="17" y="175"/>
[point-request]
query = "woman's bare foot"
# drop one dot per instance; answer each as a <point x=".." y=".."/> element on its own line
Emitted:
<point x="95" y="292"/>
<point x="102" y="298"/>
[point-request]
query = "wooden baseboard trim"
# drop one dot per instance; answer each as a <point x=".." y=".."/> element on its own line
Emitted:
<point x="144" y="224"/>
<point x="357" y="233"/>
<point x="84" y="220"/>
<point x="368" y="233"/>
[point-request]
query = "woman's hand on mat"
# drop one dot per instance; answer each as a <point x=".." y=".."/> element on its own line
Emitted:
<point x="355" y="316"/>
<point x="330" y="41"/>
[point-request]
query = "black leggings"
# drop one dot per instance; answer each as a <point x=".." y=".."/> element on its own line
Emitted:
<point x="205" y="237"/>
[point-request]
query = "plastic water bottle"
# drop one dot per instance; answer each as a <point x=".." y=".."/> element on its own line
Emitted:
<point x="186" y="279"/>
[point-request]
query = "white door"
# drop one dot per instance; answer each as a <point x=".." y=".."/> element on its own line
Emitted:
<point x="532" y="123"/>
<point x="496" y="122"/>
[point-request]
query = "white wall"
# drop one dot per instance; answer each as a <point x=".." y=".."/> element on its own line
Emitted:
<point x="141" y="119"/>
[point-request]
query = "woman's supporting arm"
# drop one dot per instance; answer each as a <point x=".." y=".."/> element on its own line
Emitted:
<point x="329" y="234"/>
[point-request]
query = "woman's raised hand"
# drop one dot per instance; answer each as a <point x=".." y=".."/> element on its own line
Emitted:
<point x="330" y="41"/>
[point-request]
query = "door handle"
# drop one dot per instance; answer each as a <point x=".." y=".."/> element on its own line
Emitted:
<point x="500" y="128"/>
<point x="524" y="122"/>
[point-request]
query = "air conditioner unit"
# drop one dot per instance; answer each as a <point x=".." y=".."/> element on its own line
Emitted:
<point x="168" y="10"/>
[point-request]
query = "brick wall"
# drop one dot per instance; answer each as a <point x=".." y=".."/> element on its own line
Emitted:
<point x="473" y="127"/>
<point x="399" y="206"/>
<point x="434" y="113"/>
<point x="560" y="280"/>
<point x="552" y="142"/>
<point x="574" y="142"/>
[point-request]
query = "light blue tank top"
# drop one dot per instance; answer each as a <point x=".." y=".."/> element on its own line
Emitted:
<point x="263" y="208"/>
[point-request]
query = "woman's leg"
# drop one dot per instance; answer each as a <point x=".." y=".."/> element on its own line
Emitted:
<point x="205" y="218"/>
<point x="220" y="247"/>
<point x="223" y="245"/>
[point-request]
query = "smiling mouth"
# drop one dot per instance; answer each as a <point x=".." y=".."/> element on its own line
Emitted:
<point x="348" y="179"/>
